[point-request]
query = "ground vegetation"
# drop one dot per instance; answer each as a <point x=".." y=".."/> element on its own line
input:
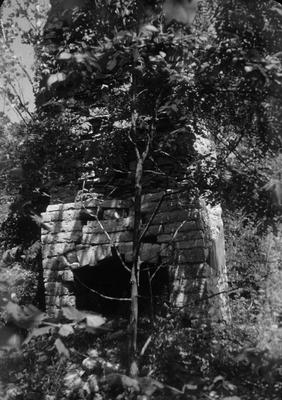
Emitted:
<point x="127" y="95"/>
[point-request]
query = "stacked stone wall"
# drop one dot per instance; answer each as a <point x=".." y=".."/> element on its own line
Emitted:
<point x="179" y="237"/>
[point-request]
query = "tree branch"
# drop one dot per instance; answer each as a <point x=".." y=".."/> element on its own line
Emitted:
<point x="101" y="294"/>
<point x="111" y="242"/>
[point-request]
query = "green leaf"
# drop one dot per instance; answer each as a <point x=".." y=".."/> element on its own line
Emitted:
<point x="41" y="331"/>
<point x="277" y="9"/>
<point x="66" y="330"/>
<point x="61" y="348"/>
<point x="72" y="314"/>
<point x="24" y="317"/>
<point x="94" y="321"/>
<point x="150" y="28"/>
<point x="10" y="338"/>
<point x="54" y="78"/>
<point x="232" y="398"/>
<point x="112" y="64"/>
<point x="65" y="56"/>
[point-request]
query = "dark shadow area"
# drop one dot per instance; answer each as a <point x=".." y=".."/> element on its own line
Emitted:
<point x="109" y="278"/>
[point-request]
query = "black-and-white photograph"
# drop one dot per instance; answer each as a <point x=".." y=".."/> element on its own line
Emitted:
<point x="140" y="200"/>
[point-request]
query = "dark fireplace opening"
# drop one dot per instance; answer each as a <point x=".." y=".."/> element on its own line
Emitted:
<point x="102" y="288"/>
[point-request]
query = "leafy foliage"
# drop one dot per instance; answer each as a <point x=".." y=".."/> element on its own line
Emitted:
<point x="114" y="82"/>
<point x="222" y="76"/>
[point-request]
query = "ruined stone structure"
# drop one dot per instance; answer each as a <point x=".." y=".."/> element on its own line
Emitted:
<point x="184" y="239"/>
<point x="87" y="248"/>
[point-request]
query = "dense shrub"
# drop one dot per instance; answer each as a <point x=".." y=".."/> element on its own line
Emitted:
<point x="247" y="265"/>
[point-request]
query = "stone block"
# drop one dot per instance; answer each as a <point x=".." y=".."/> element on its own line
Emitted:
<point x="49" y="275"/>
<point x="155" y="230"/>
<point x="126" y="250"/>
<point x="152" y="197"/>
<point x="66" y="216"/>
<point x="115" y="214"/>
<point x="175" y="216"/>
<point x="66" y="276"/>
<point x="190" y="244"/>
<point x="51" y="300"/>
<point x="171" y="227"/>
<point x="171" y="196"/>
<point x="62" y="237"/>
<point x="150" y="208"/>
<point x="191" y="256"/>
<point x="46" y="228"/>
<point x="93" y="254"/>
<point x="86" y="257"/>
<point x="110" y="203"/>
<point x="110" y="226"/>
<point x="180" y="236"/>
<point x="70" y="226"/>
<point x="150" y="252"/>
<point x="55" y="289"/>
<point x="95" y="238"/>
<point x="51" y="250"/>
<point x="102" y="238"/>
<point x="168" y="204"/>
<point x="181" y="226"/>
<point x="167" y="217"/>
<point x="190" y="271"/>
<point x="53" y="311"/>
<point x="61" y="207"/>
<point x="71" y="257"/>
<point x="167" y="250"/>
<point x="65" y="301"/>
<point x="52" y="264"/>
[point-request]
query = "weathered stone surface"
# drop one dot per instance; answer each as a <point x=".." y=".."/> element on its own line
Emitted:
<point x="126" y="250"/>
<point x="167" y="250"/>
<point x="115" y="214"/>
<point x="94" y="254"/>
<point x="180" y="236"/>
<point x="50" y="275"/>
<point x="59" y="263"/>
<point x="102" y="238"/>
<point x="54" y="311"/>
<point x="191" y="271"/>
<point x="111" y="203"/>
<point x="51" y="250"/>
<point x="173" y="227"/>
<point x="191" y="256"/>
<point x="61" y="207"/>
<point x="91" y="203"/>
<point x="171" y="196"/>
<point x="86" y="257"/>
<point x="52" y="264"/>
<point x="56" y="302"/>
<point x="190" y="244"/>
<point x="173" y="216"/>
<point x="218" y="277"/>
<point x="55" y="289"/>
<point x="168" y="204"/>
<point x="66" y="276"/>
<point x="50" y="300"/>
<point x="62" y="237"/>
<point x="152" y="197"/>
<point x="150" y="252"/>
<point x="110" y="226"/>
<point x="62" y="226"/>
<point x="71" y="257"/>
<point x="67" y="216"/>
<point x="64" y="301"/>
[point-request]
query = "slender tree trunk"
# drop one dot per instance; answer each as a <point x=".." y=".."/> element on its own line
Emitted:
<point x="152" y="311"/>
<point x="135" y="269"/>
